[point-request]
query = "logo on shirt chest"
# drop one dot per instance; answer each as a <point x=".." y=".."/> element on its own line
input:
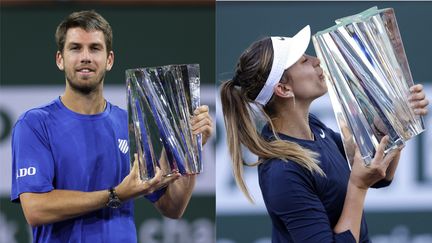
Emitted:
<point x="322" y="134"/>
<point x="123" y="145"/>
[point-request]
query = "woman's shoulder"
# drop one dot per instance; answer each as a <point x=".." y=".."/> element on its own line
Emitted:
<point x="277" y="169"/>
<point x="315" y="121"/>
<point x="279" y="177"/>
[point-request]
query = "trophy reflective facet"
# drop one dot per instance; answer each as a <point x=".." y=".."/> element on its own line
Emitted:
<point x="368" y="78"/>
<point x="161" y="101"/>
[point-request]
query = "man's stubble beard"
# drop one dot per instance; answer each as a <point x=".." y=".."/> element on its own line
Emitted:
<point x="84" y="89"/>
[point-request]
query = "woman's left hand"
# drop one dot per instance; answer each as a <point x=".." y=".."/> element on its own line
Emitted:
<point x="417" y="100"/>
<point x="202" y="123"/>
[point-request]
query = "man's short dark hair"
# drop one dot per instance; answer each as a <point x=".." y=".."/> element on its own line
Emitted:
<point x="87" y="20"/>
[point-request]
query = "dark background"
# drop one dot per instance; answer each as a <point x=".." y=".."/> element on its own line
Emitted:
<point x="238" y="24"/>
<point x="146" y="33"/>
<point x="144" y="36"/>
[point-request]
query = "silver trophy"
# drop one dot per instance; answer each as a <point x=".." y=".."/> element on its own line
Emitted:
<point x="368" y="78"/>
<point x="161" y="101"/>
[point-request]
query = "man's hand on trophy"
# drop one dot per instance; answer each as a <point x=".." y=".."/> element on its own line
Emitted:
<point x="417" y="100"/>
<point x="202" y="123"/>
<point x="132" y="186"/>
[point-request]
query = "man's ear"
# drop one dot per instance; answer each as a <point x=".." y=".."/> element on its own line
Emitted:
<point x="59" y="61"/>
<point x="110" y="60"/>
<point x="283" y="90"/>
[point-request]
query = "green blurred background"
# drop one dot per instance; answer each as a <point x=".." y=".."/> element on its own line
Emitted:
<point x="151" y="34"/>
<point x="400" y="213"/>
<point x="145" y="34"/>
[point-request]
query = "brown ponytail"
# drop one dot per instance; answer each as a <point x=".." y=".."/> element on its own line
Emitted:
<point x="252" y="71"/>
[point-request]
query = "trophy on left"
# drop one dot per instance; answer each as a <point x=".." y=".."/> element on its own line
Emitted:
<point x="161" y="101"/>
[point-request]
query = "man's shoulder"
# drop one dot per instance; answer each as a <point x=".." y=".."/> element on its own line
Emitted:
<point x="117" y="111"/>
<point x="36" y="118"/>
<point x="37" y="114"/>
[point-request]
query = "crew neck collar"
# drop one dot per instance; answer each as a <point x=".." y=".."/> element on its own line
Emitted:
<point x="83" y="116"/>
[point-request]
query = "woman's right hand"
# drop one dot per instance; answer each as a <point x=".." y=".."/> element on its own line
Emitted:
<point x="365" y="176"/>
<point x="362" y="177"/>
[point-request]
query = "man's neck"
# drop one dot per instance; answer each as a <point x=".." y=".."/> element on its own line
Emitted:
<point x="86" y="104"/>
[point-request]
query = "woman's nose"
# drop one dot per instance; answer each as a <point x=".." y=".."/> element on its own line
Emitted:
<point x="316" y="61"/>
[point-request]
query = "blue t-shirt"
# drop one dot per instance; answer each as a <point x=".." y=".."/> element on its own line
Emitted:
<point x="304" y="206"/>
<point x="56" y="148"/>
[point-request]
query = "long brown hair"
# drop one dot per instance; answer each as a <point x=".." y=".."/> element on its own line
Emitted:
<point x="252" y="70"/>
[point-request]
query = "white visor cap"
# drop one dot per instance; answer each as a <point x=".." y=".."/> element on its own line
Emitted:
<point x="286" y="52"/>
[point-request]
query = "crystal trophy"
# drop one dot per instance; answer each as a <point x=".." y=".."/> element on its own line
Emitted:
<point x="368" y="78"/>
<point x="161" y="101"/>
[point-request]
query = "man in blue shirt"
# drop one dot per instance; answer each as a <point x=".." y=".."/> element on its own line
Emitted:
<point x="71" y="167"/>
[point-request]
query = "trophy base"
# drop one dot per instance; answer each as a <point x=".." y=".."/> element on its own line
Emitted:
<point x="185" y="174"/>
<point x="396" y="144"/>
<point x="171" y="173"/>
<point x="391" y="146"/>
